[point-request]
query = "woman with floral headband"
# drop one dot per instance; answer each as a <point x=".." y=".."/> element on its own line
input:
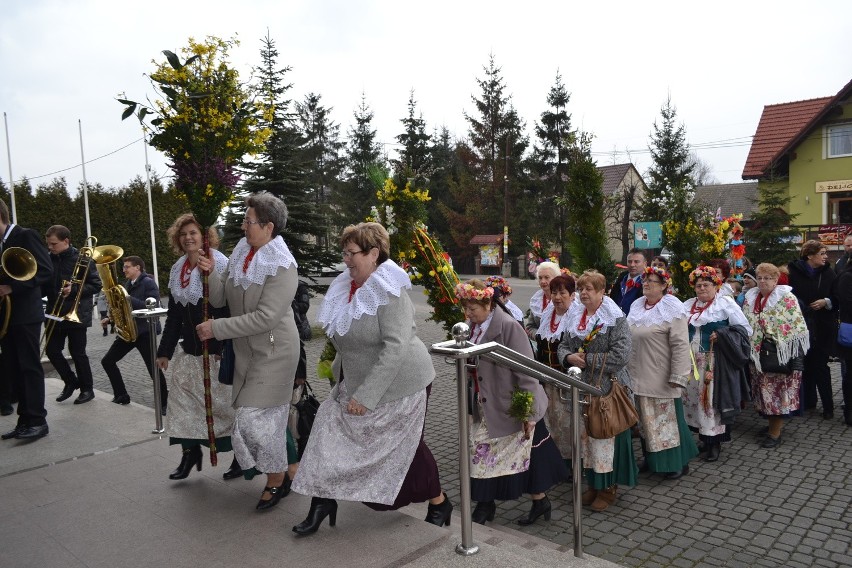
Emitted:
<point x="719" y="339"/>
<point x="505" y="291"/>
<point x="512" y="452"/>
<point x="659" y="369"/>
<point x="367" y="439"/>
<point x="597" y="340"/>
<point x="544" y="272"/>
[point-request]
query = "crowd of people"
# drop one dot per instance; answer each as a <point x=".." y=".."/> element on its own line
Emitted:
<point x="689" y="367"/>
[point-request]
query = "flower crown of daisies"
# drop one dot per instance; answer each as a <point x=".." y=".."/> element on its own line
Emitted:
<point x="500" y="283"/>
<point x="707" y="272"/>
<point x="662" y="273"/>
<point x="468" y="292"/>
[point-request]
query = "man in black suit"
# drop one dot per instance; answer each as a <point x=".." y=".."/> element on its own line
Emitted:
<point x="64" y="259"/>
<point x="23" y="375"/>
<point x="628" y="287"/>
<point x="139" y="285"/>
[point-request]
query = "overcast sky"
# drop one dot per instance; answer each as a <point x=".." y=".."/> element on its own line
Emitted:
<point x="721" y="62"/>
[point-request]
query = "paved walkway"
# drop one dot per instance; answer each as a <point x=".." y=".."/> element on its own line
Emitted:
<point x="791" y="506"/>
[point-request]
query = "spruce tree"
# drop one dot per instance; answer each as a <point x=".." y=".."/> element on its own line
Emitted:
<point x="549" y="163"/>
<point x="672" y="166"/>
<point x="445" y="166"/>
<point x="414" y="161"/>
<point x="353" y="198"/>
<point x="770" y="238"/>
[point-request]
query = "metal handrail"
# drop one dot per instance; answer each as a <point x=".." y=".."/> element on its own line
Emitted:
<point x="460" y="349"/>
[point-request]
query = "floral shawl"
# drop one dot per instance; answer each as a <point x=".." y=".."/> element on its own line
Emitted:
<point x="780" y="320"/>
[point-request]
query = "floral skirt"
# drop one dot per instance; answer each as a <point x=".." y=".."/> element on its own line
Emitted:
<point x="700" y="415"/>
<point x="622" y="468"/>
<point x="361" y="457"/>
<point x="673" y="458"/>
<point x="558" y="420"/>
<point x="493" y="457"/>
<point x="775" y="394"/>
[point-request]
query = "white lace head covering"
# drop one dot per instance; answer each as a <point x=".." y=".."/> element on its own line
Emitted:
<point x="266" y="262"/>
<point x="666" y="310"/>
<point x="337" y="312"/>
<point x="192" y="293"/>
<point x="607" y="314"/>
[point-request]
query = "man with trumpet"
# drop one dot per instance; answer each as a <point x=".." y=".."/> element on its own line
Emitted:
<point x="73" y="284"/>
<point x="22" y="374"/>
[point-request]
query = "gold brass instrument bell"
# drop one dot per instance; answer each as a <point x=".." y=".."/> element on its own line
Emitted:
<point x="78" y="276"/>
<point x="19" y="264"/>
<point x="118" y="300"/>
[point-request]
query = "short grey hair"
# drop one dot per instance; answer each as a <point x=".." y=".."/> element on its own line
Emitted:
<point x="547" y="265"/>
<point x="269" y="209"/>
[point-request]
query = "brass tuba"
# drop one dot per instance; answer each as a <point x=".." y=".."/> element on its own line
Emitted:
<point x="78" y="277"/>
<point x="19" y="264"/>
<point x="118" y="300"/>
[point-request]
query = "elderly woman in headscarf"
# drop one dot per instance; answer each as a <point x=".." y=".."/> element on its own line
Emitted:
<point x="777" y="321"/>
<point x="544" y="272"/>
<point x="659" y="369"/>
<point x="719" y="339"/>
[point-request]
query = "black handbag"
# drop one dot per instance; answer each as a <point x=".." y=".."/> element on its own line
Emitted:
<point x="307" y="411"/>
<point x="226" y="364"/>
<point x="769" y="358"/>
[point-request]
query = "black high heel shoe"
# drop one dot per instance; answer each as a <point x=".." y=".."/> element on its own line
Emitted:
<point x="440" y="514"/>
<point x="539" y="507"/>
<point x="320" y="509"/>
<point x="484" y="511"/>
<point x="234" y="471"/>
<point x="277" y="493"/>
<point x="192" y="457"/>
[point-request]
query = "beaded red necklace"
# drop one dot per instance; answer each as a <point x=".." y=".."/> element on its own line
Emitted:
<point x="651" y="306"/>
<point x="582" y="325"/>
<point x="696" y="311"/>
<point x="554" y="325"/>
<point x="185" y="273"/>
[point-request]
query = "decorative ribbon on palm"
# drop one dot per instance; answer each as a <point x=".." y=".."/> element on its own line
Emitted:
<point x="205" y="122"/>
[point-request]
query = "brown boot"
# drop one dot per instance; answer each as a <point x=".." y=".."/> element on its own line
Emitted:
<point x="605" y="498"/>
<point x="589" y="496"/>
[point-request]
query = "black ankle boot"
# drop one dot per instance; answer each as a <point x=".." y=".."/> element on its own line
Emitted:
<point x="539" y="507"/>
<point x="191" y="458"/>
<point x="440" y="514"/>
<point x="320" y="509"/>
<point x="484" y="511"/>
<point x="234" y="471"/>
<point x="713" y="452"/>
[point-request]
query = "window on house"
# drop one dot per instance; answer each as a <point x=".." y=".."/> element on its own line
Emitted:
<point x="839" y="140"/>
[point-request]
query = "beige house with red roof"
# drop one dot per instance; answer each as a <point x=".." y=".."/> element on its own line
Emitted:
<point x="805" y="147"/>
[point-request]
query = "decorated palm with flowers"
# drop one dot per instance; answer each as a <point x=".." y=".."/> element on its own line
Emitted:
<point x="403" y="214"/>
<point x="538" y="254"/>
<point x="204" y="121"/>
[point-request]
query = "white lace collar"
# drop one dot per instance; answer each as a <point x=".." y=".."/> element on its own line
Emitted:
<point x="515" y="310"/>
<point x="667" y="309"/>
<point x="192" y="293"/>
<point x="777" y="293"/>
<point x="535" y="303"/>
<point x="719" y="309"/>
<point x="266" y="262"/>
<point x="337" y="312"/>
<point x="544" y="326"/>
<point x="607" y="314"/>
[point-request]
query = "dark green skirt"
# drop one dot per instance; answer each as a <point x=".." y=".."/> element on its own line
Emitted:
<point x="674" y="459"/>
<point x="223" y="444"/>
<point x="624" y="471"/>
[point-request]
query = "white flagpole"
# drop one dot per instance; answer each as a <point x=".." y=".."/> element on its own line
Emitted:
<point x="85" y="183"/>
<point x="150" y="207"/>
<point x="11" y="180"/>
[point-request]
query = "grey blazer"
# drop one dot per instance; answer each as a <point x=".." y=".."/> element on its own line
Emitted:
<point x="266" y="341"/>
<point x="615" y="343"/>
<point x="381" y="358"/>
<point x="497" y="383"/>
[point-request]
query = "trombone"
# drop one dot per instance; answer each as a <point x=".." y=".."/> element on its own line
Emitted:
<point x="19" y="264"/>
<point x="78" y="276"/>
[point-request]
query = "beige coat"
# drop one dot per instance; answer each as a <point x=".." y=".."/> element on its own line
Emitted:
<point x="266" y="341"/>
<point x="660" y="364"/>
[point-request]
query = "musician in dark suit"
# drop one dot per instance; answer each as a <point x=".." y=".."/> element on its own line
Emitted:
<point x="628" y="287"/>
<point x="23" y="375"/>
<point x="139" y="285"/>
<point x="64" y="259"/>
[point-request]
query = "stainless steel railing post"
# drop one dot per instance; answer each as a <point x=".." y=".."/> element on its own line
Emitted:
<point x="466" y="548"/>
<point x="152" y="314"/>
<point x="577" y="467"/>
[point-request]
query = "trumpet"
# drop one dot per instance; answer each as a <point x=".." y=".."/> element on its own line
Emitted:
<point x="19" y="264"/>
<point x="118" y="300"/>
<point x="78" y="276"/>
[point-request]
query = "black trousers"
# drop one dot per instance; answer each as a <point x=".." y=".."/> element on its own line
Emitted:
<point x="76" y="336"/>
<point x="118" y="351"/>
<point x="817" y="378"/>
<point x="22" y="368"/>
